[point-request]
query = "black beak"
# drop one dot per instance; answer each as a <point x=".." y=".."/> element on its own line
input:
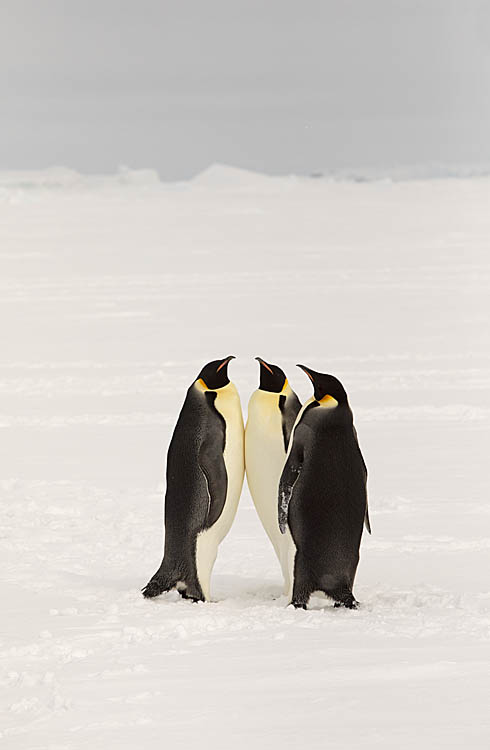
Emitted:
<point x="224" y="362"/>
<point x="305" y="369"/>
<point x="264" y="364"/>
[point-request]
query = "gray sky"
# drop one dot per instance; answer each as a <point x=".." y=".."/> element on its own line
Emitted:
<point x="271" y="85"/>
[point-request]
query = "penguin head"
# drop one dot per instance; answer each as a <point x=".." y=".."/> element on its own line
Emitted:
<point x="272" y="378"/>
<point x="327" y="388"/>
<point x="215" y="374"/>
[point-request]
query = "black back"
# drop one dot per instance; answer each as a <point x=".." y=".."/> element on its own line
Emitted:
<point x="197" y="482"/>
<point x="322" y="497"/>
<point x="194" y="461"/>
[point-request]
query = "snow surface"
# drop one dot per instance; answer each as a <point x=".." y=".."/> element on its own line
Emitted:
<point x="114" y="292"/>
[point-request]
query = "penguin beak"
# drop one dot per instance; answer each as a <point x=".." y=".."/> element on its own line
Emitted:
<point x="264" y="364"/>
<point x="306" y="370"/>
<point x="225" y="362"/>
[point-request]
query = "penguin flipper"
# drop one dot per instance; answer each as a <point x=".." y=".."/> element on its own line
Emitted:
<point x="367" y="522"/>
<point x="213" y="467"/>
<point x="289" y="477"/>
<point x="360" y="453"/>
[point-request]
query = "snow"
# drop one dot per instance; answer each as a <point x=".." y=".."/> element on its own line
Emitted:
<point x="114" y="291"/>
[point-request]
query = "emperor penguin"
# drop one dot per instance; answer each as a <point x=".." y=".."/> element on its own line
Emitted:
<point x="205" y="469"/>
<point x="272" y="411"/>
<point x="322" y="495"/>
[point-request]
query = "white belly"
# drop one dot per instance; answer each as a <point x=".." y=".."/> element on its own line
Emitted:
<point x="228" y="404"/>
<point x="265" y="455"/>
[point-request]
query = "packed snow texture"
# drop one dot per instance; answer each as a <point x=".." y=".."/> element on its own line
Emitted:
<point x="114" y="292"/>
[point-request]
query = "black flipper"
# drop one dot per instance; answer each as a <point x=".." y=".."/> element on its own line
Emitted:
<point x="360" y="453"/>
<point x="212" y="463"/>
<point x="289" y="477"/>
<point x="289" y="407"/>
<point x="367" y="523"/>
<point x="213" y="467"/>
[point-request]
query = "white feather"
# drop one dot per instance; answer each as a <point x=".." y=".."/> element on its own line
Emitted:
<point x="228" y="404"/>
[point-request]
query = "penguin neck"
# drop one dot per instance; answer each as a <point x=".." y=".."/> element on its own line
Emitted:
<point x="264" y="416"/>
<point x="264" y="402"/>
<point x="328" y="402"/>
<point x="227" y="390"/>
<point x="286" y="391"/>
<point x="328" y="409"/>
<point x="332" y="413"/>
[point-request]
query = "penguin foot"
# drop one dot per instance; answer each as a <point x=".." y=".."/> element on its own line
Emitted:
<point x="190" y="598"/>
<point x="348" y="603"/>
<point x="299" y="605"/>
<point x="153" y="588"/>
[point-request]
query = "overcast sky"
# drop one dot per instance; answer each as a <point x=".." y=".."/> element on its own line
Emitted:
<point x="272" y="85"/>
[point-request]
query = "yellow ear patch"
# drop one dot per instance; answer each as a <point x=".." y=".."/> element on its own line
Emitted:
<point x="202" y="384"/>
<point x="329" y="402"/>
